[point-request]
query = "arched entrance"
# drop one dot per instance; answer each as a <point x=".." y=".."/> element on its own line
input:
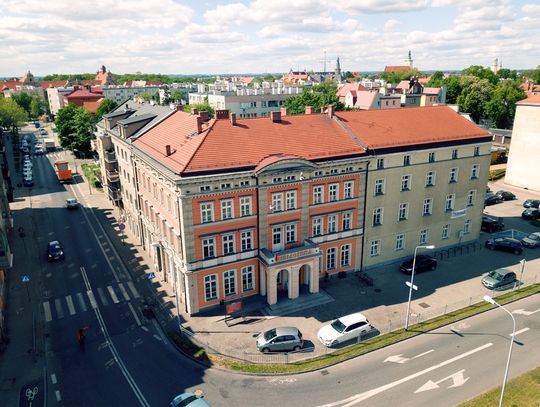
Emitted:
<point x="282" y="283"/>
<point x="305" y="278"/>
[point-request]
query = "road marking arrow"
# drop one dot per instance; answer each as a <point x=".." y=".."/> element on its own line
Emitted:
<point x="400" y="359"/>
<point x="526" y="313"/>
<point x="457" y="378"/>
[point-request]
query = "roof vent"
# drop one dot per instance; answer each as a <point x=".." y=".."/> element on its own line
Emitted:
<point x="204" y="116"/>
<point x="233" y="119"/>
<point x="194" y="111"/>
<point x="284" y="111"/>
<point x="309" y="110"/>
<point x="276" y="117"/>
<point x="168" y="150"/>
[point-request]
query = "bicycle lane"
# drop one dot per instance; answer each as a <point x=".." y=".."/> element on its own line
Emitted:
<point x="32" y="394"/>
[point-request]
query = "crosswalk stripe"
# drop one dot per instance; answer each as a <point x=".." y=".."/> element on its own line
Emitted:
<point x="47" y="310"/>
<point x="93" y="302"/>
<point x="113" y="294"/>
<point x="124" y="292"/>
<point x="82" y="304"/>
<point x="71" y="308"/>
<point x="102" y="296"/>
<point x="58" y="306"/>
<point x="133" y="289"/>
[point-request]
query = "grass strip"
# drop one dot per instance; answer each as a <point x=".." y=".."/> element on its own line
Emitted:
<point x="90" y="172"/>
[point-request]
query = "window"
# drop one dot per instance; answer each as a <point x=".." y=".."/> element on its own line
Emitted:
<point x="276" y="235"/>
<point x="380" y="163"/>
<point x="334" y="171"/>
<point x="454" y="154"/>
<point x="333" y="192"/>
<point x="379" y="186"/>
<point x="430" y="178"/>
<point x="246" y="241"/>
<point x="403" y="211"/>
<point x="210" y="287"/>
<point x="348" y="189"/>
<point x="290" y="178"/>
<point x="449" y="203"/>
<point x="244" y="183"/>
<point x="345" y="255"/>
<point x="467" y="226"/>
<point x="277" y="180"/>
<point x="453" y="175"/>
<point x="209" y="247"/>
<point x="277" y="202"/>
<point x="374" y="249"/>
<point x="318" y="173"/>
<point x="428" y="207"/>
<point x="431" y="157"/>
<point x="245" y="206"/>
<point x="248" y="277"/>
<point x="377" y="216"/>
<point x="475" y="171"/>
<point x="332" y="223"/>
<point x="226" y="185"/>
<point x="227" y="209"/>
<point x="476" y="151"/>
<point x="229" y="282"/>
<point x="331" y="258"/>
<point x="318" y="194"/>
<point x="405" y="182"/>
<point x="228" y="244"/>
<point x="423" y="236"/>
<point x="290" y="197"/>
<point x="407" y="159"/>
<point x="316" y="228"/>
<point x="471" y="195"/>
<point x="445" y="232"/>
<point x="347" y="221"/>
<point x="205" y="188"/>
<point x="400" y="242"/>
<point x="290" y="233"/>
<point x="207" y="212"/>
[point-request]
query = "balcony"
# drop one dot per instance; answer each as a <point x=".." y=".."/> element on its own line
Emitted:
<point x="112" y="176"/>
<point x="114" y="193"/>
<point x="109" y="156"/>
<point x="291" y="253"/>
<point x="6" y="257"/>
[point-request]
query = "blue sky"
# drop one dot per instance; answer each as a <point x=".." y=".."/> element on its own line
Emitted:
<point x="207" y="37"/>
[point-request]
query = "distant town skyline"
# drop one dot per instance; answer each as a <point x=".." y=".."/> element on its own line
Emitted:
<point x="209" y="37"/>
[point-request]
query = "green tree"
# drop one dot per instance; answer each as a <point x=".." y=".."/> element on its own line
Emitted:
<point x="178" y="95"/>
<point x="107" y="106"/>
<point x="12" y="115"/>
<point x="23" y="100"/>
<point x="453" y="89"/>
<point x="84" y="131"/>
<point x="65" y="124"/>
<point x="398" y="76"/>
<point x="501" y="108"/>
<point x="475" y="94"/>
<point x="436" y="80"/>
<point x="201" y="107"/>
<point x="505" y="73"/>
<point x="146" y="96"/>
<point x="317" y="96"/>
<point x="35" y="107"/>
<point x="481" y="72"/>
<point x="533" y="75"/>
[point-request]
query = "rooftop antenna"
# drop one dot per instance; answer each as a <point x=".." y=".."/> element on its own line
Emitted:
<point x="324" y="62"/>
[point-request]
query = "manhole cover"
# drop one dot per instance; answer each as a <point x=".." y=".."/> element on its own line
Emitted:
<point x="324" y="372"/>
<point x="377" y="290"/>
<point x="424" y="305"/>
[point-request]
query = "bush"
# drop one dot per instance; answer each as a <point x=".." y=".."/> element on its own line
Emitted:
<point x="497" y="174"/>
<point x="92" y="174"/>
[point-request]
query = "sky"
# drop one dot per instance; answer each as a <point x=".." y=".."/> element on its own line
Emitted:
<point x="260" y="36"/>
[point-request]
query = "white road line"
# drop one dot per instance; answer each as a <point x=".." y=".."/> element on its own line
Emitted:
<point x="124" y="292"/>
<point x="102" y="296"/>
<point x="133" y="289"/>
<point x="58" y="306"/>
<point x="520" y="331"/>
<point x="53" y="378"/>
<point x="134" y="314"/>
<point x="47" y="311"/>
<point x="92" y="299"/>
<point x="156" y="325"/>
<point x="58" y="396"/>
<point x="144" y="328"/>
<point x="71" y="307"/>
<point x="157" y="337"/>
<point x="113" y="294"/>
<point x="82" y="304"/>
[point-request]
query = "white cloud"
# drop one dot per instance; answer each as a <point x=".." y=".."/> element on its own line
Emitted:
<point x="391" y="24"/>
<point x="377" y="6"/>
<point x="531" y="8"/>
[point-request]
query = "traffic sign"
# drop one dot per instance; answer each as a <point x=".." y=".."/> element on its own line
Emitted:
<point x="151" y="275"/>
<point x="121" y="226"/>
<point x="25" y="278"/>
<point x="414" y="287"/>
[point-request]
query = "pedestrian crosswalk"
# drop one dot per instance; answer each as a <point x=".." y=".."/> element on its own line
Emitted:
<point x="72" y="304"/>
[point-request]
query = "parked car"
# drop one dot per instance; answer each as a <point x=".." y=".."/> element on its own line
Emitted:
<point x="189" y="400"/>
<point x="71" y="203"/>
<point x="533" y="240"/>
<point x="531" y="213"/>
<point x="491" y="199"/>
<point x="344" y="329"/>
<point x="505" y="195"/>
<point x="280" y="339"/>
<point x="506" y="244"/>
<point x="423" y="263"/>
<point x="54" y="251"/>
<point x="531" y="203"/>
<point x="28" y="182"/>
<point x="42" y="131"/>
<point x="491" y="225"/>
<point x="499" y="278"/>
<point x="39" y="151"/>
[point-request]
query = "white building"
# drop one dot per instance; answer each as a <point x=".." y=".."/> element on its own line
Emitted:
<point x="122" y="93"/>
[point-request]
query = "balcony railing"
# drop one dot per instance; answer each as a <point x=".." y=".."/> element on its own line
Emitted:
<point x="114" y="193"/>
<point x="291" y="252"/>
<point x="109" y="156"/>
<point x="112" y="175"/>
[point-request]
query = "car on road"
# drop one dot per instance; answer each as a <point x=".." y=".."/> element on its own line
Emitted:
<point x="189" y="400"/>
<point x="533" y="240"/>
<point x="54" y="251"/>
<point x="531" y="213"/>
<point x="506" y="244"/>
<point x="28" y="182"/>
<point x="505" y="195"/>
<point x="491" y="199"/>
<point x="491" y="225"/>
<point x="39" y="151"/>
<point x="344" y="329"/>
<point x="42" y="131"/>
<point x="423" y="263"/>
<point x="499" y="278"/>
<point x="280" y="339"/>
<point x="71" y="203"/>
<point x="531" y="203"/>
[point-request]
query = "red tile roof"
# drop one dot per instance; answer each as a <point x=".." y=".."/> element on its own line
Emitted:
<point x="84" y="93"/>
<point x="365" y="99"/>
<point x="531" y="100"/>
<point x="91" y="82"/>
<point x="409" y="126"/>
<point x="52" y="84"/>
<point x="396" y="68"/>
<point x="342" y="92"/>
<point x="10" y="84"/>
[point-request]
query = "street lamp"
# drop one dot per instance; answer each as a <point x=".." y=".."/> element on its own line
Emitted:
<point x="487" y="298"/>
<point x="429" y="247"/>
<point x="522" y="262"/>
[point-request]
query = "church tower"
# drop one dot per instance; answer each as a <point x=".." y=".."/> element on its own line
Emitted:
<point x="409" y="60"/>
<point x="337" y="71"/>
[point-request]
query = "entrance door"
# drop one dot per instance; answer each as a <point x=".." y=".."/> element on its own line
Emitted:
<point x="277" y="239"/>
<point x="282" y="281"/>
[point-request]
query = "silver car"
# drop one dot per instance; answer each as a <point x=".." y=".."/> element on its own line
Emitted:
<point x="280" y="339"/>
<point x="533" y="240"/>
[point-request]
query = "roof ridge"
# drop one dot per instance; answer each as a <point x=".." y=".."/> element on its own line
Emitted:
<point x="207" y="132"/>
<point x="350" y="133"/>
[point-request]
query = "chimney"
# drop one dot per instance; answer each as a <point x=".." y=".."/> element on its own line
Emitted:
<point x="222" y="114"/>
<point x="284" y="111"/>
<point x="199" y="124"/>
<point x="178" y="107"/>
<point x="330" y="110"/>
<point x="168" y="150"/>
<point x="309" y="110"/>
<point x="194" y="111"/>
<point x="276" y="117"/>
<point x="233" y="119"/>
<point x="204" y="115"/>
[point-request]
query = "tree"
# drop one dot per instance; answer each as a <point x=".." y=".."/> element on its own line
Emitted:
<point x="35" y="107"/>
<point x="107" y="106"/>
<point x="65" y="124"/>
<point x="505" y="73"/>
<point x="146" y="96"/>
<point x="201" y="107"/>
<point x="481" y="72"/>
<point x="436" y="80"/>
<point x="84" y="131"/>
<point x="501" y="108"/>
<point x="533" y="75"/>
<point x="178" y="95"/>
<point x="453" y="89"/>
<point x="23" y="100"/>
<point x="318" y="96"/>
<point x="398" y="76"/>
<point x="12" y="115"/>
<point x="474" y="96"/>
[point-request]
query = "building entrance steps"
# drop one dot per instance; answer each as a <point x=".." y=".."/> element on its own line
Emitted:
<point x="303" y="302"/>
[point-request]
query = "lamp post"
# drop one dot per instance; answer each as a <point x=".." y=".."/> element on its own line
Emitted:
<point x="522" y="262"/>
<point x="487" y="298"/>
<point x="429" y="247"/>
